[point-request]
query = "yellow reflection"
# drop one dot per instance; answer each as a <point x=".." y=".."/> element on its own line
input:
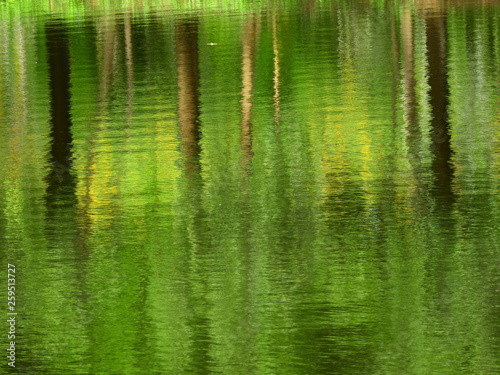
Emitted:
<point x="348" y="150"/>
<point x="96" y="187"/>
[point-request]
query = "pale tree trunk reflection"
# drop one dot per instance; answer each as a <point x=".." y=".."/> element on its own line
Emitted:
<point x="250" y="33"/>
<point x="410" y="103"/>
<point x="105" y="55"/>
<point x="127" y="21"/>
<point x="276" y="78"/>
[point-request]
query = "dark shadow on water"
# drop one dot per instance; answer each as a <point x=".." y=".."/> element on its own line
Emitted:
<point x="188" y="78"/>
<point x="439" y="100"/>
<point x="60" y="181"/>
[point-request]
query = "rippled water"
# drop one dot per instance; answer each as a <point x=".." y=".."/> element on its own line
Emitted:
<point x="252" y="188"/>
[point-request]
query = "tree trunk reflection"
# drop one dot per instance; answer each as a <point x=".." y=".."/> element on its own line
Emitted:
<point x="250" y="34"/>
<point x="437" y="57"/>
<point x="60" y="179"/>
<point x="186" y="34"/>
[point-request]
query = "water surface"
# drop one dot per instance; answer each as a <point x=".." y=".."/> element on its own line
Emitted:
<point x="265" y="188"/>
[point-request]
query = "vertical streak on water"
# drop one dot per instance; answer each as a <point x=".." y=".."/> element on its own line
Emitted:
<point x="276" y="77"/>
<point x="106" y="42"/>
<point x="409" y="74"/>
<point x="20" y="86"/>
<point x="60" y="179"/>
<point x="186" y="33"/>
<point x="188" y="78"/>
<point x="130" y="66"/>
<point x="14" y="121"/>
<point x="411" y="105"/>
<point x="444" y="240"/>
<point x="250" y="34"/>
<point x="443" y="171"/>
<point x="60" y="193"/>
<point x="250" y="39"/>
<point x="437" y="55"/>
<point x="395" y="41"/>
<point x="95" y="196"/>
<point x="66" y="275"/>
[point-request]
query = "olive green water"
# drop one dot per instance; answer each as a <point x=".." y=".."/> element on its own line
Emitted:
<point x="265" y="188"/>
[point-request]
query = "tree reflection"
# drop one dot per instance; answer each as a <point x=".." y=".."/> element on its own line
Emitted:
<point x="60" y="179"/>
<point x="437" y="57"/>
<point x="188" y="77"/>
<point x="276" y="78"/>
<point x="250" y="34"/>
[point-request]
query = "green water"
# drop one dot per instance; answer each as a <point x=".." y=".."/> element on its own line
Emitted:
<point x="251" y="188"/>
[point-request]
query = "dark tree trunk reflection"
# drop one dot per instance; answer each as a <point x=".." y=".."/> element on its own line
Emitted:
<point x="60" y="180"/>
<point x="188" y="80"/>
<point x="437" y="55"/>
<point x="186" y="34"/>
